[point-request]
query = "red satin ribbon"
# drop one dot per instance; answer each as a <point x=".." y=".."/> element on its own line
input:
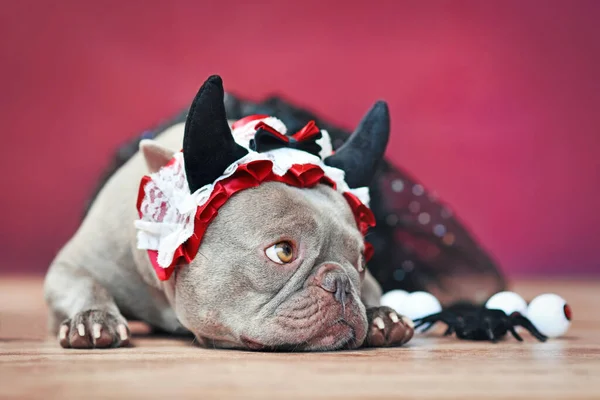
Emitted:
<point x="309" y="131"/>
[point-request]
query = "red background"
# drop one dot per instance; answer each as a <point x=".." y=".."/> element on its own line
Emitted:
<point x="495" y="105"/>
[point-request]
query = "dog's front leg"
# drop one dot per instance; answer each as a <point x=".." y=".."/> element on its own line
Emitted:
<point x="82" y="311"/>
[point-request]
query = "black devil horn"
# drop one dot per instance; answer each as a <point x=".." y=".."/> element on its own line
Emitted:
<point x="359" y="157"/>
<point x="208" y="146"/>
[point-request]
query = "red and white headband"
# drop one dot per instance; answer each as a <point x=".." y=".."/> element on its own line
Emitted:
<point x="173" y="220"/>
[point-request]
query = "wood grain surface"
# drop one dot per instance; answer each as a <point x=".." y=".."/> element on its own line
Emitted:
<point x="32" y="365"/>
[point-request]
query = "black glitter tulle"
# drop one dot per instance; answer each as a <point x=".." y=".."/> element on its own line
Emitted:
<point x="419" y="242"/>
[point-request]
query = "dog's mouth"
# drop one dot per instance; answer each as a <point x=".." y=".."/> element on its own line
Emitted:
<point x="339" y="335"/>
<point x="254" y="344"/>
<point x="313" y="320"/>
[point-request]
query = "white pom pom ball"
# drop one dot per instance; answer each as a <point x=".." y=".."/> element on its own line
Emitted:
<point x="394" y="299"/>
<point x="420" y="304"/>
<point x="509" y="302"/>
<point x="550" y="314"/>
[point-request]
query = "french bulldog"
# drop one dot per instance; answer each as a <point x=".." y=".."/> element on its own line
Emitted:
<point x="232" y="294"/>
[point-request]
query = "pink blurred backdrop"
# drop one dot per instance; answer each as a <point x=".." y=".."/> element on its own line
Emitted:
<point x="495" y="105"/>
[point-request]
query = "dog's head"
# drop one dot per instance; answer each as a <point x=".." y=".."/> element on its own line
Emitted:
<point x="280" y="267"/>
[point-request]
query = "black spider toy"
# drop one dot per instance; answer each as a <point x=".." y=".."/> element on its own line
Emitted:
<point x="474" y="322"/>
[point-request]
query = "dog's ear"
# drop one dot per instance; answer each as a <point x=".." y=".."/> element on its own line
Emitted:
<point x="156" y="156"/>
<point x="208" y="146"/>
<point x="360" y="156"/>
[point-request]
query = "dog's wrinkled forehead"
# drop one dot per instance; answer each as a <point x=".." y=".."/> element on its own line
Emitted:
<point x="274" y="211"/>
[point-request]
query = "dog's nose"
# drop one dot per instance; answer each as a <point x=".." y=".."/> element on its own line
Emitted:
<point x="338" y="283"/>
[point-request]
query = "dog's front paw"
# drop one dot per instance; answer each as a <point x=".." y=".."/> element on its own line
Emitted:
<point x="387" y="328"/>
<point x="94" y="329"/>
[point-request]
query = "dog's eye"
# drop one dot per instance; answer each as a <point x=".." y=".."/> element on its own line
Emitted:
<point x="281" y="253"/>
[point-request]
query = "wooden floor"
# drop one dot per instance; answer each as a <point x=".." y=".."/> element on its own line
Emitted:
<point x="32" y="365"/>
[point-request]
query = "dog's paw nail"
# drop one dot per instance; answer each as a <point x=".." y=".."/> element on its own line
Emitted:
<point x="97" y="331"/>
<point x="394" y="317"/>
<point x="62" y="334"/>
<point x="408" y="334"/>
<point x="81" y="329"/>
<point x="379" y="322"/>
<point x="123" y="332"/>
<point x="409" y="322"/>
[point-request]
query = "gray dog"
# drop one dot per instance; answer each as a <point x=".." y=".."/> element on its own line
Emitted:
<point x="316" y="295"/>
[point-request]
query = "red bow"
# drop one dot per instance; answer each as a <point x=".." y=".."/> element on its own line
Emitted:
<point x="268" y="138"/>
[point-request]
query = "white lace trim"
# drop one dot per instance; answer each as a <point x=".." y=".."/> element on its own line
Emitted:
<point x="325" y="143"/>
<point x="168" y="208"/>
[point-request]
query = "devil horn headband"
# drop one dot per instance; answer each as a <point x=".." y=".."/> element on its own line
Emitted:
<point x="177" y="203"/>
